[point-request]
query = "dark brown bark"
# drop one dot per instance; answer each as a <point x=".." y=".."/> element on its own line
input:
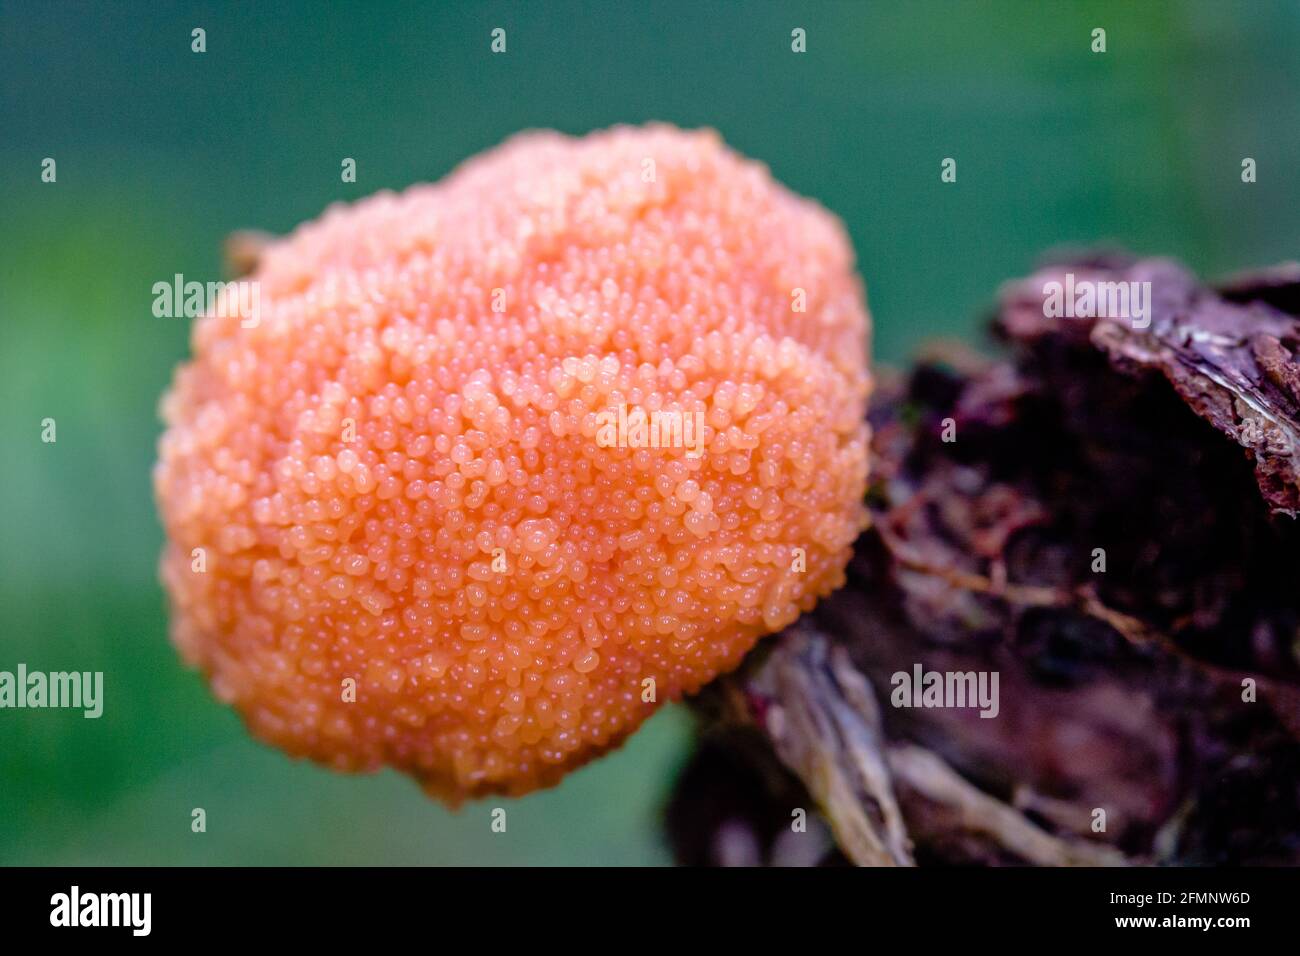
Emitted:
<point x="1170" y="452"/>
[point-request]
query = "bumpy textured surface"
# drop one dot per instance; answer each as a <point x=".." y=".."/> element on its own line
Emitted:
<point x="396" y="476"/>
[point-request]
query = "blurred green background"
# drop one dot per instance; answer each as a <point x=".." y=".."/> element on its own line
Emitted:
<point x="161" y="152"/>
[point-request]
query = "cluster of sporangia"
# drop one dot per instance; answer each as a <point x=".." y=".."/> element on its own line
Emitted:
<point x="416" y="550"/>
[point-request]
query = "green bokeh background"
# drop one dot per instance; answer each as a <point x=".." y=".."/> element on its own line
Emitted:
<point x="162" y="152"/>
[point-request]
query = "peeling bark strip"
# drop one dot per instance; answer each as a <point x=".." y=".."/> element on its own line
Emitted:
<point x="1232" y="361"/>
<point x="823" y="719"/>
<point x="1101" y="535"/>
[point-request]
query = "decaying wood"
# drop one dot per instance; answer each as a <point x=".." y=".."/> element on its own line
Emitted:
<point x="1232" y="362"/>
<point x="1112" y="532"/>
<point x="824" y="722"/>
<point x="967" y="810"/>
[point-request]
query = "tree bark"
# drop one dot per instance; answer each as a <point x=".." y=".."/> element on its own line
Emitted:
<point x="1105" y="518"/>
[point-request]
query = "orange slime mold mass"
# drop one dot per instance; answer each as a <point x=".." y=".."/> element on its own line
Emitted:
<point x="436" y="532"/>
